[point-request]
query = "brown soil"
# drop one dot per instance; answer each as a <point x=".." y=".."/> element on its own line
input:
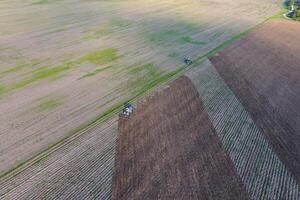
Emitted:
<point x="36" y="35"/>
<point x="168" y="149"/>
<point x="263" y="71"/>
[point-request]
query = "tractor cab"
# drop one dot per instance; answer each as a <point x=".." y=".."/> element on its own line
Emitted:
<point x="127" y="110"/>
<point x="290" y="14"/>
<point x="187" y="61"/>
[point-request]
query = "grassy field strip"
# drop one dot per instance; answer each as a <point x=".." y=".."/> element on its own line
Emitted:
<point x="59" y="35"/>
<point x="72" y="171"/>
<point x="115" y="109"/>
<point x="263" y="174"/>
<point x="155" y="84"/>
<point x="72" y="136"/>
<point x="104" y="116"/>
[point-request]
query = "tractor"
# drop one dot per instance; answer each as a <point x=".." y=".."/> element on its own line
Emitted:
<point x="127" y="109"/>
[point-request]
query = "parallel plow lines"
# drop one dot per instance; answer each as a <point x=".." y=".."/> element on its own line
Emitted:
<point x="263" y="174"/>
<point x="74" y="171"/>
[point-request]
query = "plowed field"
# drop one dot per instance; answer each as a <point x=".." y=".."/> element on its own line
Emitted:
<point x="63" y="63"/>
<point x="166" y="154"/>
<point x="263" y="71"/>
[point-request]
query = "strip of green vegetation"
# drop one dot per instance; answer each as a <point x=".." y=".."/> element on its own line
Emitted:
<point x="80" y="129"/>
<point x="165" y="35"/>
<point x="107" y="29"/>
<point x="93" y="73"/>
<point x="215" y="36"/>
<point x="188" y="39"/>
<point x="173" y="55"/>
<point x="115" y="109"/>
<point x="51" y="148"/>
<point x="159" y="80"/>
<point x="19" y="67"/>
<point x="98" y="57"/>
<point x="103" y="56"/>
<point x="174" y="33"/>
<point x="49" y="104"/>
<point x="119" y="22"/>
<point x="277" y="16"/>
<point x="43" y="73"/>
<point x="97" y="33"/>
<point x="2" y="89"/>
<point x="148" y="69"/>
<point x="13" y="69"/>
<point x="141" y="75"/>
<point x="37" y="2"/>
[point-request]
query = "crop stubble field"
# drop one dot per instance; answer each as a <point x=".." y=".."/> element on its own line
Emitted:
<point x="81" y="169"/>
<point x="65" y="62"/>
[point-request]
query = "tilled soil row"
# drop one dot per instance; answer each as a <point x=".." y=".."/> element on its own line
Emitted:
<point x="81" y="169"/>
<point x="262" y="172"/>
<point x="168" y="149"/>
<point x="263" y="71"/>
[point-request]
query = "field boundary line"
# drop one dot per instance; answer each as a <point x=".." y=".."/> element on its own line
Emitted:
<point x="109" y="113"/>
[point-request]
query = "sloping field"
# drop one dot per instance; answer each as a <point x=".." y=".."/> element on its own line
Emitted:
<point x="263" y="71"/>
<point x="263" y="174"/>
<point x="83" y="168"/>
<point x="63" y="63"/>
<point x="168" y="149"/>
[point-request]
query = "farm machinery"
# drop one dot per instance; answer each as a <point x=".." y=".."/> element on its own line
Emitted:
<point x="127" y="110"/>
<point x="293" y="7"/>
<point x="187" y="61"/>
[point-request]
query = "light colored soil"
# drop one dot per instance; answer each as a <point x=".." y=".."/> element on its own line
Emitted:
<point x="57" y="32"/>
<point x="263" y="70"/>
<point x="82" y="169"/>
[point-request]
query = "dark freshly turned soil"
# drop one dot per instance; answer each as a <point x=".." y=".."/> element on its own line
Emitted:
<point x="168" y="149"/>
<point x="263" y="71"/>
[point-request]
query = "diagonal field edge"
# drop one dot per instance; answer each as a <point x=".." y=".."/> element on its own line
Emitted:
<point x="115" y="109"/>
<point x="265" y="80"/>
<point x="154" y="148"/>
<point x="96" y="166"/>
<point x="264" y="175"/>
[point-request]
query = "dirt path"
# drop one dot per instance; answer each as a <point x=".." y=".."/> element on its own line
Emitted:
<point x="263" y="71"/>
<point x="168" y="149"/>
